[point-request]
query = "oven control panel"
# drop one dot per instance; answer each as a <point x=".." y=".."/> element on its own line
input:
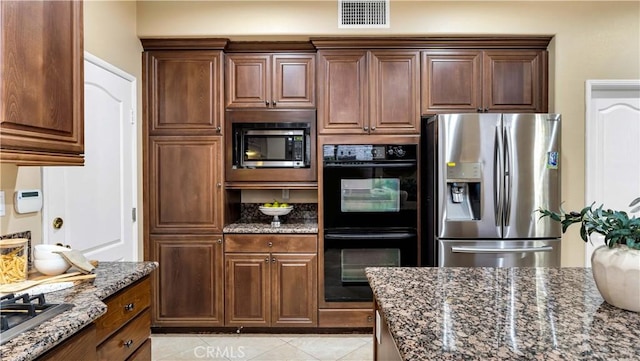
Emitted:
<point x="369" y="152"/>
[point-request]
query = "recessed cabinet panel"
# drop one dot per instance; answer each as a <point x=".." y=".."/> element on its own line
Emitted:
<point x="294" y="85"/>
<point x="188" y="287"/>
<point x="247" y="289"/>
<point x="42" y="82"/>
<point x="451" y="80"/>
<point x="294" y="280"/>
<point x="186" y="91"/>
<point x="395" y="87"/>
<point x="185" y="175"/>
<point x="514" y="80"/>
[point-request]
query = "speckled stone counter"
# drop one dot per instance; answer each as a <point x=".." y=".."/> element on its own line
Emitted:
<point x="295" y="226"/>
<point x="88" y="306"/>
<point x="502" y="314"/>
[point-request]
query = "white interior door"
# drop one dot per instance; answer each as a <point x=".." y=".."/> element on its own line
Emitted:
<point x="97" y="201"/>
<point x="612" y="146"/>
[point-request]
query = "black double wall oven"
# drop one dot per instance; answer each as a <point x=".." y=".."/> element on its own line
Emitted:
<point x="370" y="214"/>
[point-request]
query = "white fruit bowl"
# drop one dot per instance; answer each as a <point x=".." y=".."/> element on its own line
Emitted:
<point x="276" y="211"/>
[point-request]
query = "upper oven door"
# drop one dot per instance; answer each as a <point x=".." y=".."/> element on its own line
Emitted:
<point x="370" y="194"/>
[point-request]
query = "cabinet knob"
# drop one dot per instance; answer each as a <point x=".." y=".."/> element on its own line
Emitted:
<point x="218" y="129"/>
<point x="266" y="102"/>
<point x="369" y="319"/>
<point x="219" y="185"/>
<point x="486" y="110"/>
<point x="270" y="244"/>
<point x="273" y="103"/>
<point x="127" y="343"/>
<point x="273" y="260"/>
<point x="373" y="128"/>
<point x="479" y="110"/>
<point x="219" y="241"/>
<point x="266" y="259"/>
<point x="366" y="129"/>
<point x="129" y="307"/>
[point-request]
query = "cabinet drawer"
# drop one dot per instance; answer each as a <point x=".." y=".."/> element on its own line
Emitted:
<point x="270" y="243"/>
<point x="127" y="340"/>
<point x="345" y="318"/>
<point x="122" y="307"/>
<point x="143" y="353"/>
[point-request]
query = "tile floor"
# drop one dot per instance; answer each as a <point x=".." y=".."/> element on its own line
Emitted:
<point x="257" y="347"/>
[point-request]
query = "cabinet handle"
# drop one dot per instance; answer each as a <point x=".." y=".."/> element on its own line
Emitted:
<point x="479" y="110"/>
<point x="218" y="129"/>
<point x="486" y="110"/>
<point x="129" y="307"/>
<point x="127" y="343"/>
<point x="266" y="259"/>
<point x="369" y="319"/>
<point x="219" y="185"/>
<point x="273" y="103"/>
<point x="273" y="260"/>
<point x="219" y="240"/>
<point x="266" y="102"/>
<point x="373" y="128"/>
<point x="366" y="129"/>
<point x="270" y="244"/>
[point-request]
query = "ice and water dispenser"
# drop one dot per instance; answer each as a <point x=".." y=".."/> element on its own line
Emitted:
<point x="462" y="195"/>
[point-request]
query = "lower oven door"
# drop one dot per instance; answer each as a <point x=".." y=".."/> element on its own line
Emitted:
<point x="346" y="255"/>
<point x="496" y="253"/>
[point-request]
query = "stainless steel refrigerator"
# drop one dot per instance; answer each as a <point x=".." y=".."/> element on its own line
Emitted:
<point x="483" y="177"/>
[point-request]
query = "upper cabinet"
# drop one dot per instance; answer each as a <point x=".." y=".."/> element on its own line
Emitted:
<point x="184" y="89"/>
<point x="484" y="81"/>
<point x="42" y="83"/>
<point x="368" y="91"/>
<point x="270" y="81"/>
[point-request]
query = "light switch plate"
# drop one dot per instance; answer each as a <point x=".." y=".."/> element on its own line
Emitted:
<point x="2" y="207"/>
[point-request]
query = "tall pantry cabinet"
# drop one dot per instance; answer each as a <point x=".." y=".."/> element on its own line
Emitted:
<point x="183" y="170"/>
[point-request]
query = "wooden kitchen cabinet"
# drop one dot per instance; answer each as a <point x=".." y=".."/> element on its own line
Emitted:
<point x="80" y="346"/>
<point x="270" y="81"/>
<point x="42" y="109"/>
<point x="456" y="81"/>
<point x="368" y="91"/>
<point x="188" y="286"/>
<point x="185" y="91"/>
<point x="126" y="327"/>
<point x="185" y="184"/>
<point x="271" y="280"/>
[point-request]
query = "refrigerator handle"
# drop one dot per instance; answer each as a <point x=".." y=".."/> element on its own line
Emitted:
<point x="497" y="181"/>
<point x="507" y="177"/>
<point x="456" y="249"/>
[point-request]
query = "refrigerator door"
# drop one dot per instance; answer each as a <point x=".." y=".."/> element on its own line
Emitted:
<point x="492" y="253"/>
<point x="532" y="174"/>
<point x="469" y="180"/>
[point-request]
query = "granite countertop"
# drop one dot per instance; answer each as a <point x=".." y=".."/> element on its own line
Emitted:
<point x="291" y="226"/>
<point x="502" y="314"/>
<point x="88" y="306"/>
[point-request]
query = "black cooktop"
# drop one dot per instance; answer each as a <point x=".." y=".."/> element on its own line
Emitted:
<point x="19" y="313"/>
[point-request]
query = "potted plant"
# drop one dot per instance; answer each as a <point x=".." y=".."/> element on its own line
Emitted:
<point x="615" y="265"/>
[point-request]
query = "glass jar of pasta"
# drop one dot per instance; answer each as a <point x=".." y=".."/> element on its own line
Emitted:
<point x="13" y="260"/>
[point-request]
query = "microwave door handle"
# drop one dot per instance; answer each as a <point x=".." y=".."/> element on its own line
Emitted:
<point x="458" y="249"/>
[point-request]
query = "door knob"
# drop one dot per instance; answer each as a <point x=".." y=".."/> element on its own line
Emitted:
<point x="57" y="222"/>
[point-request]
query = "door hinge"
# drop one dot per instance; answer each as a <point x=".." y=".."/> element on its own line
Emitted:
<point x="133" y="214"/>
<point x="132" y="116"/>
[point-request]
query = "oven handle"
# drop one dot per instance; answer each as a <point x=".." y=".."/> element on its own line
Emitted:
<point x="370" y="165"/>
<point x="500" y="250"/>
<point x="398" y="235"/>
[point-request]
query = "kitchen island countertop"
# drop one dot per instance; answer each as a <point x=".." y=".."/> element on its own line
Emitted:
<point x="502" y="314"/>
<point x="87" y="299"/>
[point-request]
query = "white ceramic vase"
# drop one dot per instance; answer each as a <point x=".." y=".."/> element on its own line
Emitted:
<point x="616" y="272"/>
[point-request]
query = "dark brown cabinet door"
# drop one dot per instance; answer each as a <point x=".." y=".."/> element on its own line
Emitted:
<point x="451" y="81"/>
<point x="184" y="89"/>
<point x="185" y="184"/>
<point x="343" y="93"/>
<point x="270" y="81"/>
<point x="395" y="92"/>
<point x="515" y="81"/>
<point x="248" y="292"/>
<point x="42" y="82"/>
<point x="294" y="288"/>
<point x="457" y="81"/>
<point x="188" y="287"/>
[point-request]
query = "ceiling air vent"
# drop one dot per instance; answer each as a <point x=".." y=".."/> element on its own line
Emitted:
<point x="363" y="13"/>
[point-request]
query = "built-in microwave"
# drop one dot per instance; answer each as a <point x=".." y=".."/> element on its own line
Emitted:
<point x="272" y="142"/>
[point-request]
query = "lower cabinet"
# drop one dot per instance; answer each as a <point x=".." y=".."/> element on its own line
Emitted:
<point x="384" y="347"/>
<point x="81" y="346"/>
<point x="188" y="285"/>
<point x="126" y="326"/>
<point x="271" y="280"/>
